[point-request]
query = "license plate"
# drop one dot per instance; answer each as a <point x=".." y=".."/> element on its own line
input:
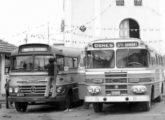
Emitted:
<point x="20" y="94"/>
<point x="115" y="92"/>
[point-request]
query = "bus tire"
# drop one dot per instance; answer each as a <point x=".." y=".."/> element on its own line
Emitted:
<point x="147" y="105"/>
<point x="21" y="106"/>
<point x="152" y="93"/>
<point x="98" y="107"/>
<point x="160" y="97"/>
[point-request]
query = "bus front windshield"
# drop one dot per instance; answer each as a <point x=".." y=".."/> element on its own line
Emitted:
<point x="132" y="58"/>
<point x="100" y="59"/>
<point x="30" y="63"/>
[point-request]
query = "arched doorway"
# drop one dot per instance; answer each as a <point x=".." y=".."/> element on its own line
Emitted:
<point x="129" y="28"/>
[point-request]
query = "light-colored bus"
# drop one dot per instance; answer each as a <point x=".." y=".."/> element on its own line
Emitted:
<point x="29" y="80"/>
<point x="123" y="70"/>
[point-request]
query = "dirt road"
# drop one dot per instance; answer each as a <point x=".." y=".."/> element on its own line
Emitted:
<point x="110" y="112"/>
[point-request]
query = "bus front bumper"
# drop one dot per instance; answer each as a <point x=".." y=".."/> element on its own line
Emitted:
<point x="108" y="99"/>
<point x="36" y="99"/>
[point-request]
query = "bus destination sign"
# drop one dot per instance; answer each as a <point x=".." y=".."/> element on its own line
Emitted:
<point x="127" y="44"/>
<point x="103" y="45"/>
<point x="34" y="49"/>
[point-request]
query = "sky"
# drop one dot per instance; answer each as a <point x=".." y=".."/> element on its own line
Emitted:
<point x="18" y="17"/>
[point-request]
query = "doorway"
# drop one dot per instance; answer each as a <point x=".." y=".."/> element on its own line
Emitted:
<point x="129" y="28"/>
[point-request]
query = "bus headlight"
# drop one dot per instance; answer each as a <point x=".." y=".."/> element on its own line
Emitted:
<point x="140" y="89"/>
<point x="60" y="90"/>
<point x="16" y="89"/>
<point x="11" y="90"/>
<point x="94" y="90"/>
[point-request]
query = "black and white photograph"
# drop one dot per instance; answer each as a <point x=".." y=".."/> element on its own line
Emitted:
<point x="82" y="60"/>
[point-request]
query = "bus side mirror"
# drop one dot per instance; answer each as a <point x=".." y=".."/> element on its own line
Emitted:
<point x="7" y="70"/>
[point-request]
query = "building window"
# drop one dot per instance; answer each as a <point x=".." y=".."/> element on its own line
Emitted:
<point x="120" y="2"/>
<point x="138" y="2"/>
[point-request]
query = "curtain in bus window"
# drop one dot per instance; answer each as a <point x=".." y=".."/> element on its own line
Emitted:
<point x="75" y="62"/>
<point x="60" y="62"/>
<point x="100" y="59"/>
<point x="82" y="60"/>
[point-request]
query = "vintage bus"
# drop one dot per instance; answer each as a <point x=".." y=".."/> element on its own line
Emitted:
<point x="122" y="70"/>
<point x="29" y="80"/>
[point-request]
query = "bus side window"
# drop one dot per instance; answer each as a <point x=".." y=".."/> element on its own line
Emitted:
<point x="71" y="62"/>
<point x="24" y="65"/>
<point x="68" y="62"/>
<point x="75" y="62"/>
<point x="60" y="63"/>
<point x="88" y="60"/>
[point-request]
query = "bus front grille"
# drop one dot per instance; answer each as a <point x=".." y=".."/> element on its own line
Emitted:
<point x="32" y="90"/>
<point x="116" y="83"/>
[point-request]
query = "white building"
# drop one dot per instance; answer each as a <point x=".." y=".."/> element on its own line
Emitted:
<point x="5" y="50"/>
<point x="86" y="20"/>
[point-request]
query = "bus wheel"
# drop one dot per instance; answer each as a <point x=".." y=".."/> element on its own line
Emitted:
<point x="66" y="104"/>
<point x="97" y="107"/>
<point x="160" y="97"/>
<point x="147" y="105"/>
<point x="21" y="106"/>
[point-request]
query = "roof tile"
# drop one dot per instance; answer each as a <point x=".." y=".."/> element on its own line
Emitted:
<point x="6" y="47"/>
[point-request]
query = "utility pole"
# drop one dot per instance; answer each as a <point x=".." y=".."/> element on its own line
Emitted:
<point x="63" y="22"/>
<point x="26" y="37"/>
<point x="26" y="32"/>
<point x="48" y="30"/>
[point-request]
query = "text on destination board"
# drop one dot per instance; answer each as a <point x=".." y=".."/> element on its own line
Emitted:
<point x="103" y="45"/>
<point x="34" y="49"/>
<point x="127" y="44"/>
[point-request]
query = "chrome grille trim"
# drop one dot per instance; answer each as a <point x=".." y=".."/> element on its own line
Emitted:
<point x="116" y="81"/>
<point x="32" y="90"/>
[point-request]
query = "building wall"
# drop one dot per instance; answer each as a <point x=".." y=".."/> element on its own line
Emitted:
<point x="2" y="74"/>
<point x="102" y="19"/>
<point x="78" y="13"/>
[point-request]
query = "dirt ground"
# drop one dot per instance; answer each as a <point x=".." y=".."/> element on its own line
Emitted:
<point x="110" y="112"/>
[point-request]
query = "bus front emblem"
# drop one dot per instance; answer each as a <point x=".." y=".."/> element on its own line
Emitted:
<point x="33" y="89"/>
<point x="116" y="86"/>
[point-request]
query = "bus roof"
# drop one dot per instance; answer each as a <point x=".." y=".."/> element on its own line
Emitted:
<point x="68" y="51"/>
<point x="116" y="40"/>
<point x="60" y="50"/>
